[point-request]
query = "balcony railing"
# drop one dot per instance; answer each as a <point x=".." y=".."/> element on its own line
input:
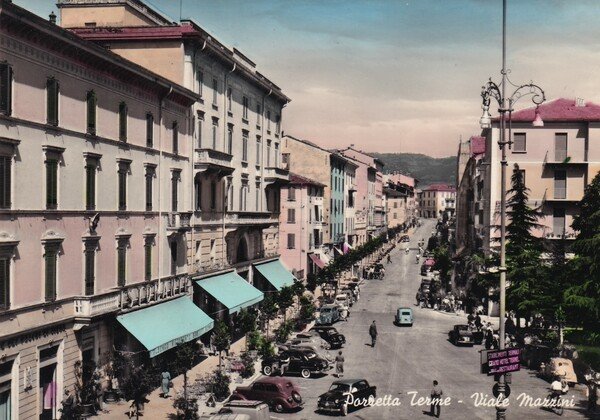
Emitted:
<point x="276" y="175"/>
<point x="251" y="218"/>
<point x="213" y="161"/>
<point x="561" y="157"/>
<point x="179" y="220"/>
<point x="89" y="306"/>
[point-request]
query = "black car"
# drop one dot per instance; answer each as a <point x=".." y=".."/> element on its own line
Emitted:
<point x="302" y="361"/>
<point x="533" y="355"/>
<point x="461" y="334"/>
<point x="345" y="395"/>
<point x="331" y="335"/>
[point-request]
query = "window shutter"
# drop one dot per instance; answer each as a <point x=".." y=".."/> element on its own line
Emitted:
<point x="91" y="112"/>
<point x="149" y="191"/>
<point x="174" y="181"/>
<point x="90" y="190"/>
<point x="123" y="121"/>
<point x="4" y="283"/>
<point x="5" y="167"/>
<point x="122" y="189"/>
<point x="51" y="184"/>
<point x="89" y="271"/>
<point x="52" y="90"/>
<point x="175" y="137"/>
<point x="5" y="89"/>
<point x="50" y="275"/>
<point x="148" y="262"/>
<point x="121" y="251"/>
<point x="149" y="130"/>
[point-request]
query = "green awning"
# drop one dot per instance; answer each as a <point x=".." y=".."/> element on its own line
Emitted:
<point x="161" y="327"/>
<point x="276" y="274"/>
<point x="232" y="291"/>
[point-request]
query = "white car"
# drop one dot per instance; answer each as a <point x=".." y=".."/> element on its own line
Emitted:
<point x="343" y="301"/>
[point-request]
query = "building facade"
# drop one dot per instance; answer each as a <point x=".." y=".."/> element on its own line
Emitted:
<point x="558" y="160"/>
<point x="301" y="226"/>
<point x="399" y="190"/>
<point x="95" y="154"/>
<point x="437" y="199"/>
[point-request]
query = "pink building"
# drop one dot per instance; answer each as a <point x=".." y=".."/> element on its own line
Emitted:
<point x="95" y="173"/>
<point x="301" y="225"/>
<point x="436" y="199"/>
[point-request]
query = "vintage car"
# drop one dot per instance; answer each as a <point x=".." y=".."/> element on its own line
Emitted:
<point x="350" y="293"/>
<point x="279" y="393"/>
<point x="342" y="300"/>
<point x="461" y="334"/>
<point x="328" y="314"/>
<point x="319" y="351"/>
<point x="302" y="361"/>
<point x="404" y="316"/>
<point x="557" y="366"/>
<point x="330" y="334"/>
<point x="532" y="355"/>
<point x="310" y="336"/>
<point x="404" y="238"/>
<point x="243" y="409"/>
<point x="344" y="391"/>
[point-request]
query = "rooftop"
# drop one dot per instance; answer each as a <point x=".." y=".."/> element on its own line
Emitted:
<point x="563" y="110"/>
<point x="440" y="187"/>
<point x="301" y="180"/>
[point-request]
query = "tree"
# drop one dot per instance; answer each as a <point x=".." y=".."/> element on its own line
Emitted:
<point x="583" y="296"/>
<point x="246" y="320"/>
<point x="137" y="384"/>
<point x="443" y="263"/>
<point x="269" y="308"/>
<point x="285" y="299"/>
<point x="185" y="359"/>
<point x="221" y="338"/>
<point x="526" y="292"/>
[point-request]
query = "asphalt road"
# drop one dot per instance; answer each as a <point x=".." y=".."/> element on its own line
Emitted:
<point x="406" y="360"/>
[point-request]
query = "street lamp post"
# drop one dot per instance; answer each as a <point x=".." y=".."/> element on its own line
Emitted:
<point x="498" y="92"/>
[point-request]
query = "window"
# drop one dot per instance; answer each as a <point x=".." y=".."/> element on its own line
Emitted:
<point x="560" y="147"/>
<point x="215" y="129"/>
<point x="519" y="142"/>
<point x="291" y="241"/>
<point x="4" y="280"/>
<point x="5" y="88"/>
<point x="5" y="181"/>
<point x="292" y="194"/>
<point x="558" y="221"/>
<point x="230" y="196"/>
<point x="174" y="254"/>
<point x="200" y="81"/>
<point x="122" y="187"/>
<point x="277" y="155"/>
<point x="560" y="184"/>
<point x="268" y="153"/>
<point x="269" y="121"/>
<point x="291" y="216"/>
<point x="175" y="127"/>
<point x="52" y="89"/>
<point x="215" y="91"/>
<point x="213" y="195"/>
<point x="258" y="145"/>
<point x="243" y="196"/>
<point x="198" y="194"/>
<point x="258" y="114"/>
<point x="257" y="197"/>
<point x="230" y="138"/>
<point x="244" y="146"/>
<point x="149" y="130"/>
<point x="200" y="127"/>
<point x="277" y="124"/>
<point x="51" y="183"/>
<point x="174" y="187"/>
<point x="123" y="121"/>
<point x="150" y="173"/>
<point x="229" y="99"/>
<point x="50" y="262"/>
<point x="245" y="103"/>
<point x="522" y="174"/>
<point x="122" y="261"/>
<point x="148" y="258"/>
<point x="90" y="260"/>
<point x="91" y="103"/>
<point x="90" y="184"/>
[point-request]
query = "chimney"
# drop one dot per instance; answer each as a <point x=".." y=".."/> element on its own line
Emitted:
<point x="580" y="102"/>
<point x="52" y="18"/>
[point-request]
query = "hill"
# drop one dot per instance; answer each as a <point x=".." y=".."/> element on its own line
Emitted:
<point x="426" y="169"/>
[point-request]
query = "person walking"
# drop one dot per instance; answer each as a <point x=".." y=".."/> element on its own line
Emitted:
<point x="373" y="333"/>
<point x="339" y="364"/>
<point x="592" y="395"/>
<point x="165" y="384"/>
<point x="436" y="396"/>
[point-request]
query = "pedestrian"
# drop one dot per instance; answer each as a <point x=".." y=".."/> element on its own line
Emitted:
<point x="339" y="364"/>
<point x="97" y="381"/>
<point x="592" y="395"/>
<point x="166" y="383"/>
<point x="284" y="362"/>
<point x="436" y="397"/>
<point x="478" y="323"/>
<point x="470" y="318"/>
<point x="373" y="333"/>
<point x="509" y="325"/>
<point x="68" y="409"/>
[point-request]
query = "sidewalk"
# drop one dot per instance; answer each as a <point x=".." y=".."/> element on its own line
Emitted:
<point x="162" y="408"/>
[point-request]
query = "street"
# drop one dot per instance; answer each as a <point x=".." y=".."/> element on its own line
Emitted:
<point x="406" y="360"/>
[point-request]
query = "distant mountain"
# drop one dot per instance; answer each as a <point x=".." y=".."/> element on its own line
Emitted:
<point x="426" y="169"/>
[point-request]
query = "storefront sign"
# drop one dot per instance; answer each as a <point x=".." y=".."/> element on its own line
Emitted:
<point x="503" y="361"/>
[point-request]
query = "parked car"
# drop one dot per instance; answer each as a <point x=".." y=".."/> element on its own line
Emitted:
<point x="302" y="361"/>
<point x="404" y="316"/>
<point x="404" y="238"/>
<point x="254" y="410"/>
<point x="321" y="352"/>
<point x="342" y="300"/>
<point x="561" y="367"/>
<point x="330" y="334"/>
<point x="532" y="355"/>
<point x="351" y="296"/>
<point x="328" y="314"/>
<point x="335" y="400"/>
<point x="311" y="337"/>
<point x="279" y="393"/>
<point x="461" y="334"/>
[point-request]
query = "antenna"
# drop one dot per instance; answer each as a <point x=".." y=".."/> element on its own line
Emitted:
<point x="180" y="9"/>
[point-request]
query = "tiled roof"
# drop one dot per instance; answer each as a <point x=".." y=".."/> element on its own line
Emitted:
<point x="440" y="187"/>
<point x="477" y="145"/>
<point x="301" y="180"/>
<point x="561" y="110"/>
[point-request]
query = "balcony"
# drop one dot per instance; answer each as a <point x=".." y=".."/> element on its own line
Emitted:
<point x="91" y="306"/>
<point x="214" y="161"/>
<point x="244" y="218"/>
<point x="275" y="175"/>
<point x="179" y="221"/>
<point x="560" y="157"/>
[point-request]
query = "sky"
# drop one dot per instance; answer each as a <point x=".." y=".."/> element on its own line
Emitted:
<point x="399" y="76"/>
